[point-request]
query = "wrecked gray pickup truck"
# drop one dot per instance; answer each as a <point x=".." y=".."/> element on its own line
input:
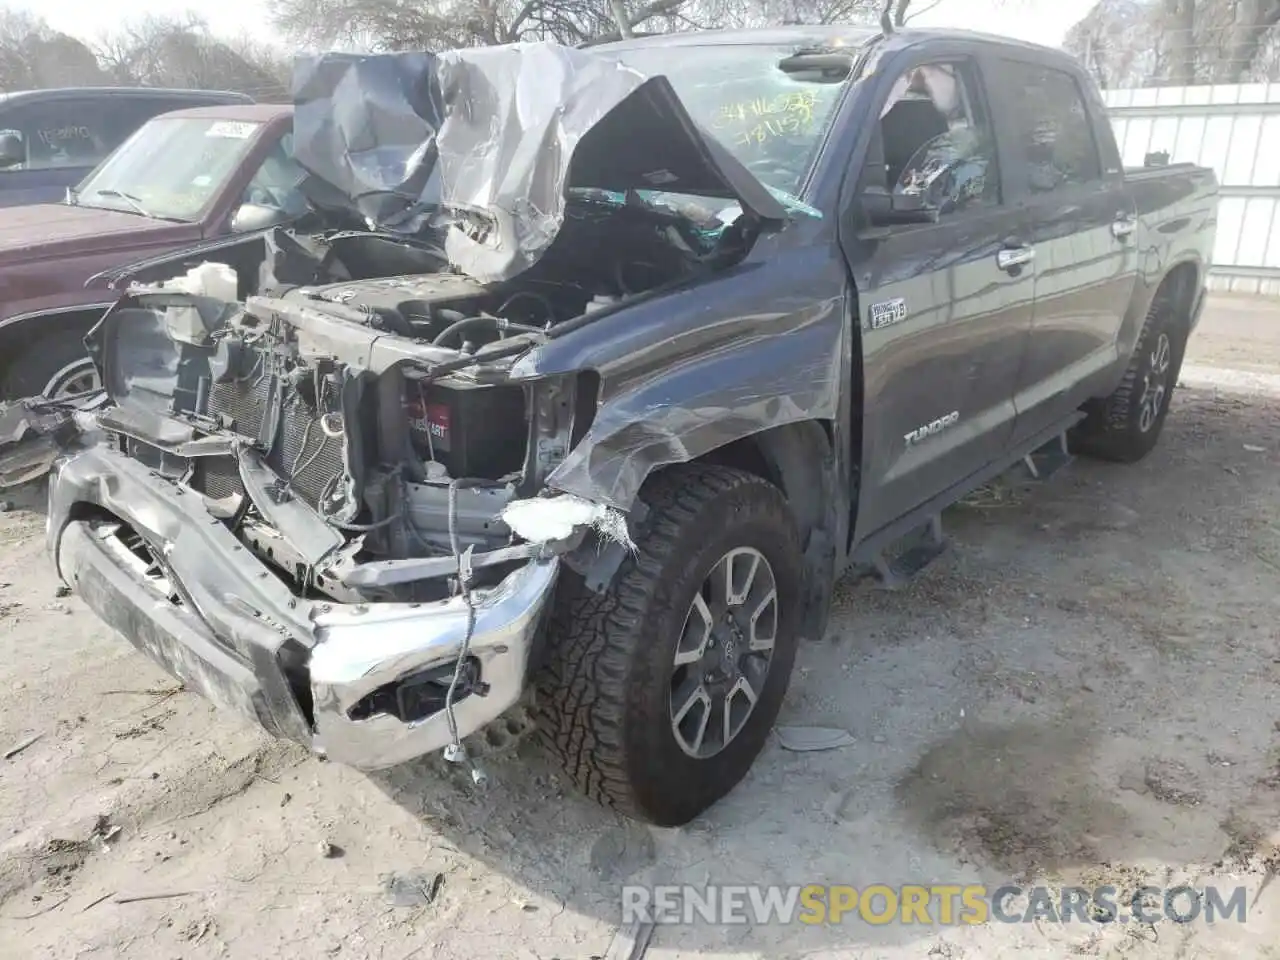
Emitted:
<point x="609" y="362"/>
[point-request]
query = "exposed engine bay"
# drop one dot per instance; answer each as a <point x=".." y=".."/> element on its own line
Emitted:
<point x="341" y="393"/>
<point x="339" y="467"/>
<point x="357" y="429"/>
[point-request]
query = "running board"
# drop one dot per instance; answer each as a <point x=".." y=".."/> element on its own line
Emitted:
<point x="916" y="539"/>
<point x="919" y="548"/>
<point x="1046" y="460"/>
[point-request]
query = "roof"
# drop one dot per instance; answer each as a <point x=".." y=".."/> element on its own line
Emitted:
<point x="826" y="35"/>
<point x="64" y="93"/>
<point x="797" y="36"/>
<point x="907" y="36"/>
<point x="250" y="112"/>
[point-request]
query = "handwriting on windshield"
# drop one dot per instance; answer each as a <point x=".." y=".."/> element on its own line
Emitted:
<point x="756" y="121"/>
<point x="58" y="135"/>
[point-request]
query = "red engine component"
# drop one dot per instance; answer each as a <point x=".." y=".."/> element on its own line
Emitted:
<point x="429" y="423"/>
<point x="475" y="431"/>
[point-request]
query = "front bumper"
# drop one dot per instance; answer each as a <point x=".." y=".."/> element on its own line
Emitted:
<point x="241" y="638"/>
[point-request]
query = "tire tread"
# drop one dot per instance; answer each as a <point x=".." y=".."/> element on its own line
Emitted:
<point x="582" y="688"/>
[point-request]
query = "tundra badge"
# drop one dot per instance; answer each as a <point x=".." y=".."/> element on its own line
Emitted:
<point x="888" y="313"/>
<point x="931" y="429"/>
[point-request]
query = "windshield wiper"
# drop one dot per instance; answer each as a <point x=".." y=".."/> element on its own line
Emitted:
<point x="129" y="199"/>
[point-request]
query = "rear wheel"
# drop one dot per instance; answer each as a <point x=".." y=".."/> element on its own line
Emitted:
<point x="53" y="366"/>
<point x="1126" y="426"/>
<point x="658" y="695"/>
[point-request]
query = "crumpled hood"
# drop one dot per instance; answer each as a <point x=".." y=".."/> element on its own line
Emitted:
<point x="491" y="138"/>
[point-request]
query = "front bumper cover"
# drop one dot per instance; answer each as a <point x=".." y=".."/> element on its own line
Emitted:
<point x="241" y="638"/>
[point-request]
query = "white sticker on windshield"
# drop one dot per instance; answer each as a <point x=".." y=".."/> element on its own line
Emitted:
<point x="231" y="129"/>
<point x="201" y="181"/>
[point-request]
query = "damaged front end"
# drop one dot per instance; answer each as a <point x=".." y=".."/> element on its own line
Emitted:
<point x="328" y="504"/>
<point x="303" y="518"/>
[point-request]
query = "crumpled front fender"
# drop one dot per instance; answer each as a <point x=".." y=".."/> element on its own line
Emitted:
<point x="35" y="432"/>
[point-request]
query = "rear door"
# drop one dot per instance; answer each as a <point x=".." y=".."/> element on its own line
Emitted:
<point x="1066" y="172"/>
<point x="945" y="307"/>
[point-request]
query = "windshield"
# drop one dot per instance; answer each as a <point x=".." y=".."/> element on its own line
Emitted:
<point x="773" y="121"/>
<point x="171" y="168"/>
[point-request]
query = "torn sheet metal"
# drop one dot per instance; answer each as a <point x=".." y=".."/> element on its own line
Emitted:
<point x="34" y="432"/>
<point x="695" y="385"/>
<point x="550" y="519"/>
<point x="484" y="143"/>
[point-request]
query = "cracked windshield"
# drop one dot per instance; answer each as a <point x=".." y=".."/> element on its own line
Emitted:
<point x="768" y="109"/>
<point x="171" y="169"/>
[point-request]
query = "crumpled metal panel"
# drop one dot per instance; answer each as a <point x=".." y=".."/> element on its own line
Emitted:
<point x="484" y="143"/>
<point x="366" y="125"/>
<point x="34" y="432"/>
<point x="688" y="375"/>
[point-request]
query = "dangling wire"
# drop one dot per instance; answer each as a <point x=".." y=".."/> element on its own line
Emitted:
<point x="456" y="752"/>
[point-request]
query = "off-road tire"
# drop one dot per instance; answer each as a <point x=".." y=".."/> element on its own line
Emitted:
<point x="603" y="689"/>
<point x="39" y="362"/>
<point x="1113" y="428"/>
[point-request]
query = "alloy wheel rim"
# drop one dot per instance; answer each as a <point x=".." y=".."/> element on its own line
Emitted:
<point x="724" y="653"/>
<point x="72" y="380"/>
<point x="1155" y="383"/>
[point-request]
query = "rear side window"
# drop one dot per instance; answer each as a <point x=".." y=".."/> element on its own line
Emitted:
<point x="59" y="133"/>
<point x="1054" y="134"/>
<point x="80" y="132"/>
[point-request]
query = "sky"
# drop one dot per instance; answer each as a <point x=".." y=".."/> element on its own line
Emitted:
<point x="1040" y="21"/>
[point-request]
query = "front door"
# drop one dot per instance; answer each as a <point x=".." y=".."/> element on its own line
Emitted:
<point x="946" y="306"/>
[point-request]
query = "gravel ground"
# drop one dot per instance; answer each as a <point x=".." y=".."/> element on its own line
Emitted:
<point x="1082" y="691"/>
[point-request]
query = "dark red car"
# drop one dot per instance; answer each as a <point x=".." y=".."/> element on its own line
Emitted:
<point x="182" y="178"/>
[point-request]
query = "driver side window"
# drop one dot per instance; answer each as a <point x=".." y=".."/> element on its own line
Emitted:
<point x="937" y="138"/>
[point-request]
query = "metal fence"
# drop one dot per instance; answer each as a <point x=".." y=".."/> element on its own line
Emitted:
<point x="1235" y="129"/>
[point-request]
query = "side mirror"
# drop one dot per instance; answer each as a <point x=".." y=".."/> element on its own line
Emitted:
<point x="256" y="216"/>
<point x="884" y="209"/>
<point x="12" y="150"/>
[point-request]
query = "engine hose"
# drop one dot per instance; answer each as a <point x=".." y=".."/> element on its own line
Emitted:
<point x="463" y="324"/>
<point x="364" y="527"/>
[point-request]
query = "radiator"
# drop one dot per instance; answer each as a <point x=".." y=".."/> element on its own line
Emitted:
<point x="302" y="454"/>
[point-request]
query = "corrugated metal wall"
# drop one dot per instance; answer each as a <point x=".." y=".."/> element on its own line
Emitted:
<point x="1234" y="128"/>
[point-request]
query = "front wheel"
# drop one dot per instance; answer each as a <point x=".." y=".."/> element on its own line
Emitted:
<point x="657" y="695"/>
<point x="54" y="367"/>
<point x="1126" y="426"/>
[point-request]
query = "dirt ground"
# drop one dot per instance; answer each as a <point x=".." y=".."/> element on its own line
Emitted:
<point x="1083" y="690"/>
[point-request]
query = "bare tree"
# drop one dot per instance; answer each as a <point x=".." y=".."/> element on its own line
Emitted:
<point x="1180" y="41"/>
<point x="1108" y="39"/>
<point x="32" y="55"/>
<point x="445" y="24"/>
<point x="181" y="52"/>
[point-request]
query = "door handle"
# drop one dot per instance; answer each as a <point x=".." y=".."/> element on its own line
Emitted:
<point x="1122" y="226"/>
<point x="1014" y="257"/>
